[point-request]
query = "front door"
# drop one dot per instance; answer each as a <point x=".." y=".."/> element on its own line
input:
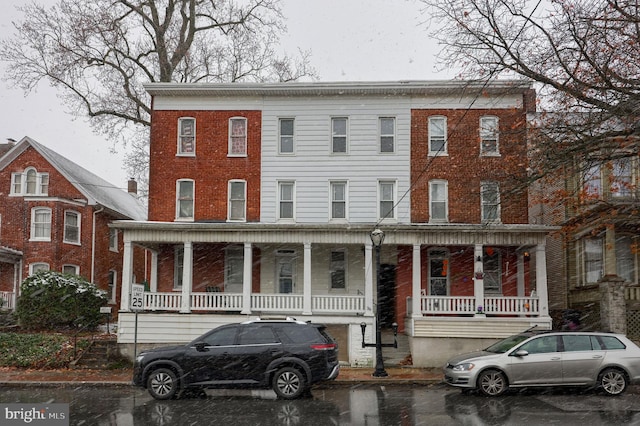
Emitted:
<point x="438" y="272"/>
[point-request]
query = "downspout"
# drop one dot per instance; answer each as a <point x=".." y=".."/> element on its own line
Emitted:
<point x="93" y="245"/>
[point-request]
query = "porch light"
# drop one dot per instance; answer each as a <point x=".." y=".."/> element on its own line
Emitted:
<point x="377" y="237"/>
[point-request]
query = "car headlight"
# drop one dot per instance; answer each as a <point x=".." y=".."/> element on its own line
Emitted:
<point x="466" y="366"/>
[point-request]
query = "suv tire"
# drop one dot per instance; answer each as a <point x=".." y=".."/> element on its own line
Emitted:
<point x="289" y="383"/>
<point x="612" y="382"/>
<point x="162" y="383"/>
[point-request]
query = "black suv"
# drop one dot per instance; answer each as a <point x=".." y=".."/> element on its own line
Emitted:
<point x="287" y="355"/>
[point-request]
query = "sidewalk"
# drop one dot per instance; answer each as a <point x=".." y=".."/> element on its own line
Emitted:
<point x="16" y="377"/>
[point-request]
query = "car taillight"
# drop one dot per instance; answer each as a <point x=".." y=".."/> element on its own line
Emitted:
<point x="323" y="346"/>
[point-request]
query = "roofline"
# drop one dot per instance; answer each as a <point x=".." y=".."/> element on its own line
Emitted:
<point x="363" y="88"/>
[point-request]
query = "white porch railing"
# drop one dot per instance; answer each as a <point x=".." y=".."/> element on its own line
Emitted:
<point x="496" y="305"/>
<point x="7" y="300"/>
<point x="342" y="304"/>
<point x="162" y="301"/>
<point x="276" y="302"/>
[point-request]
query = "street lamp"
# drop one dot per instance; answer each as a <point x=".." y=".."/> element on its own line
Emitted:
<point x="377" y="238"/>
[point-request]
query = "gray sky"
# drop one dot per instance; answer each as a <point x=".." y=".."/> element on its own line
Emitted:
<point x="350" y="40"/>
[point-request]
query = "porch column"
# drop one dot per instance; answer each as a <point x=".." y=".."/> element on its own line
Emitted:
<point x="187" y="277"/>
<point x="153" y="278"/>
<point x="541" y="280"/>
<point x="610" y="267"/>
<point x="247" y="279"/>
<point x="127" y="276"/>
<point x="368" y="279"/>
<point x="416" y="280"/>
<point x="520" y="275"/>
<point x="478" y="278"/>
<point x="306" y="276"/>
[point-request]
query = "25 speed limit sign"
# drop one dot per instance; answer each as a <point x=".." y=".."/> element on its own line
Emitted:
<point x="137" y="297"/>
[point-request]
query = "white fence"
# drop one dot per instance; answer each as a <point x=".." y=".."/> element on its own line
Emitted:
<point x="497" y="305"/>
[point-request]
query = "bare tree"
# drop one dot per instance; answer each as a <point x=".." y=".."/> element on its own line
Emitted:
<point x="99" y="53"/>
<point x="584" y="55"/>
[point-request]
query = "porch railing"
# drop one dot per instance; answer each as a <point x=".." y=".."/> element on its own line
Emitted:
<point x="7" y="300"/>
<point x="496" y="305"/>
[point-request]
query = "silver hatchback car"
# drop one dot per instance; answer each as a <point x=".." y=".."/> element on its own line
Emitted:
<point x="610" y="362"/>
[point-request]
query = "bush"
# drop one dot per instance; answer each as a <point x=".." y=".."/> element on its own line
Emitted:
<point x="50" y="300"/>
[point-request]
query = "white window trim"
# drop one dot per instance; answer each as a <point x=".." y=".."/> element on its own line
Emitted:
<point x="22" y="178"/>
<point x="32" y="266"/>
<point x="346" y="201"/>
<point x="32" y="230"/>
<point x="244" y="213"/>
<point x="395" y="200"/>
<point x="498" y="218"/>
<point x="381" y="135"/>
<point x="346" y="135"/>
<point x="64" y="232"/>
<point x="495" y="153"/>
<point x="70" y="265"/>
<point x="179" y="151"/>
<point x="445" y="150"/>
<point x="293" y="136"/>
<point x="246" y="137"/>
<point x="293" y="194"/>
<point x="446" y="201"/>
<point x="177" y="201"/>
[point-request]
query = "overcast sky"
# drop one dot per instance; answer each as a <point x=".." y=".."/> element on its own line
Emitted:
<point x="350" y="40"/>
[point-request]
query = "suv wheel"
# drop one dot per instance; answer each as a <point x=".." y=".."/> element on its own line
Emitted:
<point x="288" y="383"/>
<point x="162" y="383"/>
<point x="612" y="381"/>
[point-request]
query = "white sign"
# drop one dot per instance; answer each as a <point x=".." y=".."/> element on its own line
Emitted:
<point x="137" y="297"/>
<point x="105" y="309"/>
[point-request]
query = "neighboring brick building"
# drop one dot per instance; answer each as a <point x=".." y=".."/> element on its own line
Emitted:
<point x="263" y="199"/>
<point x="55" y="215"/>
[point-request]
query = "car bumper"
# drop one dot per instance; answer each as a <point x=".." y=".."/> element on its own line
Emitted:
<point x="334" y="372"/>
<point x="462" y="379"/>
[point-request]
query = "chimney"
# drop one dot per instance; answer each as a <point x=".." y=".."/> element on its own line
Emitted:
<point x="132" y="186"/>
<point x="11" y="141"/>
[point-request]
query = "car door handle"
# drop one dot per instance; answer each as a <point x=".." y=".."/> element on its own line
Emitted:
<point x="596" y="356"/>
<point x="555" y="358"/>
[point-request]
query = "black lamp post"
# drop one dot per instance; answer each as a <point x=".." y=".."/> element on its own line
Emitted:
<point x="377" y="238"/>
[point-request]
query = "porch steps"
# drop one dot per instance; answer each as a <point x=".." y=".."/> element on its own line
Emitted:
<point x="99" y="354"/>
<point x="399" y="356"/>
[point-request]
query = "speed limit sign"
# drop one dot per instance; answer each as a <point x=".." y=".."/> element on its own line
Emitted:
<point x="137" y="297"/>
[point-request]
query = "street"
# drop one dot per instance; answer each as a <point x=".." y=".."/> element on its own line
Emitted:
<point x="355" y="405"/>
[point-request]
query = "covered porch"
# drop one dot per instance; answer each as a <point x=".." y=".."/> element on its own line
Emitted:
<point x="10" y="277"/>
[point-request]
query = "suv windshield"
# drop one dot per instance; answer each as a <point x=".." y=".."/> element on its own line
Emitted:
<point x="504" y="345"/>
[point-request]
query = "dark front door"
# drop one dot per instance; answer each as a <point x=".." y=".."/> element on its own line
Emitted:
<point x="387" y="295"/>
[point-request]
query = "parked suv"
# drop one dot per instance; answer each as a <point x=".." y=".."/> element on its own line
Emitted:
<point x="286" y="355"/>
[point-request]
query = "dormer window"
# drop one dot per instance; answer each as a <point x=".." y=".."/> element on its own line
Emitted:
<point x="29" y="182"/>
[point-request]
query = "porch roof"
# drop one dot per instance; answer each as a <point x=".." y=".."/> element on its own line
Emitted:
<point x="423" y="234"/>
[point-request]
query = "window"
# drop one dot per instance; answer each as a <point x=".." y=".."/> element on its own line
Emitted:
<point x="625" y="258"/>
<point x="438" y="272"/>
<point x="576" y="343"/>
<point x="178" y="267"/>
<point x="285" y="271"/>
<point x="490" y="202"/>
<point x="30" y="182"/>
<point x="113" y="277"/>
<point x="339" y="135"/>
<point x="437" y="135"/>
<point x="71" y="269"/>
<point x="387" y="134"/>
<point x="222" y="337"/>
<point x="184" y="201"/>
<point x="489" y="136"/>
<point x="592" y="182"/>
<point x="186" y="136"/>
<point x="387" y="200"/>
<point x="621" y="178"/>
<point x="237" y="200"/>
<point x="72" y="227"/>
<point x="286" y="136"/>
<point x="34" y="268"/>
<point x="234" y="269"/>
<point x="113" y="239"/>
<point x="541" y="345"/>
<point x="41" y="224"/>
<point x="337" y="270"/>
<point x="593" y="260"/>
<point x="286" y="204"/>
<point x="238" y="137"/>
<point x="338" y="200"/>
<point x="491" y="262"/>
<point x="438" y="201"/>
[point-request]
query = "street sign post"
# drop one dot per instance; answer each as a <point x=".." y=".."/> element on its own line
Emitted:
<point x="137" y="305"/>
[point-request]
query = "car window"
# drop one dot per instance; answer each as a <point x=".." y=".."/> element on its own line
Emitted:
<point x="260" y="335"/>
<point x="300" y="334"/>
<point x="608" y="342"/>
<point x="223" y="337"/>
<point x="541" y="345"/>
<point x="504" y="345"/>
<point x="575" y="343"/>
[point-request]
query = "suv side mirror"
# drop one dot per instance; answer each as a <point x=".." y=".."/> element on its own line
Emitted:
<point x="201" y="346"/>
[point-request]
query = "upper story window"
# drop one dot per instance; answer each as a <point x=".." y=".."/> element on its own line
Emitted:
<point x="386" y="199"/>
<point x="237" y="137"/>
<point x="71" y="269"/>
<point x="338" y="200"/>
<point x="237" y="200"/>
<point x="186" y="136"/>
<point x="387" y="134"/>
<point x="72" y="227"/>
<point x="437" y="135"/>
<point x="184" y="199"/>
<point x="592" y="182"/>
<point x="339" y="135"/>
<point x="286" y="200"/>
<point x="113" y="239"/>
<point x="34" y="268"/>
<point x="489" y="136"/>
<point x="622" y="178"/>
<point x="490" y="202"/>
<point x="438" y="201"/>
<point x="41" y="224"/>
<point x="285" y="127"/>
<point x="338" y="270"/>
<point x="29" y="182"/>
